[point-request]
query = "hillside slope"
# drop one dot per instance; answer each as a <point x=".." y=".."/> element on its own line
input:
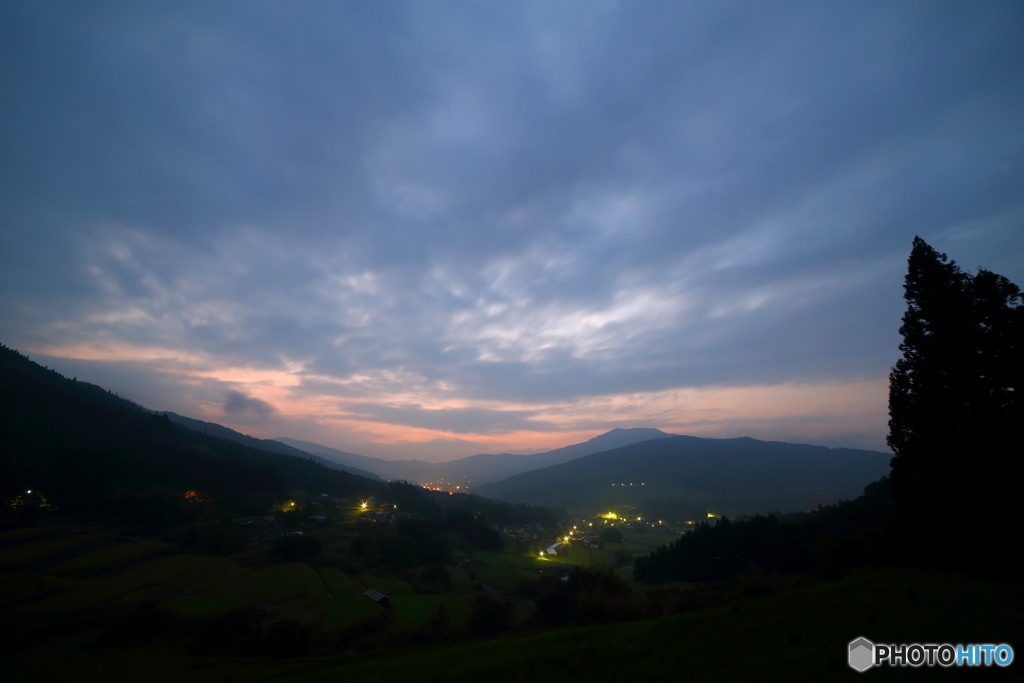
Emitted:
<point x="222" y="432"/>
<point x="731" y="476"/>
<point x="78" y="442"/>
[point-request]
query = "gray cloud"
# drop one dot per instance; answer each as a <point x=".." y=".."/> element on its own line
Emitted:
<point x="455" y="420"/>
<point x="506" y="202"/>
<point x="237" y="404"/>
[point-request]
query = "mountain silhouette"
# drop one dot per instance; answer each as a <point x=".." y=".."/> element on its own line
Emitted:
<point x="730" y="476"/>
<point x="482" y="468"/>
<point x="220" y="431"/>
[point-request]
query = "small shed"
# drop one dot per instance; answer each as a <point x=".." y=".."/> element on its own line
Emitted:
<point x="556" y="548"/>
<point x="377" y="597"/>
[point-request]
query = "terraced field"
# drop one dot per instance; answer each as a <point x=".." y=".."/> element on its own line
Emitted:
<point x="12" y="557"/>
<point x="75" y="570"/>
<point x="416" y="611"/>
<point x="276" y="584"/>
<point x="108" y="555"/>
<point x="346" y="610"/>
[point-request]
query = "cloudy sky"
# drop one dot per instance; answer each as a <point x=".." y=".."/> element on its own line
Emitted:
<point x="432" y="229"/>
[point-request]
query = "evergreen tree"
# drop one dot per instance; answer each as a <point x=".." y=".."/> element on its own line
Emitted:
<point x="955" y="401"/>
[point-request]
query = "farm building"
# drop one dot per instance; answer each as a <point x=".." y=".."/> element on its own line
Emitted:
<point x="377" y="597"/>
<point x="556" y="548"/>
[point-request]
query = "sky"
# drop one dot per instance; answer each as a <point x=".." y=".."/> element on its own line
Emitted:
<point x="432" y="229"/>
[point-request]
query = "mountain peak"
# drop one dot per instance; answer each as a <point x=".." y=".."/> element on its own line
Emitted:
<point x="630" y="435"/>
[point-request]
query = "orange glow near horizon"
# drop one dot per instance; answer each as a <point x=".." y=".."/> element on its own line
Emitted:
<point x="782" y="412"/>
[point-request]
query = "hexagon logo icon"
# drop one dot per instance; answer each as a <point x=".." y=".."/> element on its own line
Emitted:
<point x="862" y="654"/>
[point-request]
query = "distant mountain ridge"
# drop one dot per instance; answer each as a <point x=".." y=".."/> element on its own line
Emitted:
<point x="484" y="467"/>
<point x="735" y="476"/>
<point x="220" y="431"/>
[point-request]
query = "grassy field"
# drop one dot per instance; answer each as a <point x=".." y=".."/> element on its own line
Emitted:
<point x="207" y="579"/>
<point x="339" y="583"/>
<point x="110" y="554"/>
<point x="33" y="551"/>
<point x="276" y="584"/>
<point x="504" y="572"/>
<point x="203" y="606"/>
<point x="415" y="611"/>
<point x="345" y="610"/>
<point x="799" y="635"/>
<point x="162" y="570"/>
<point x="385" y="585"/>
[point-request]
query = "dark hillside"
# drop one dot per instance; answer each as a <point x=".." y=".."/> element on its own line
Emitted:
<point x="222" y="432"/>
<point x="731" y="476"/>
<point x="76" y="441"/>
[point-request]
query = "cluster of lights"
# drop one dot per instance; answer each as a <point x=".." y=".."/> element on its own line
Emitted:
<point x="629" y="484"/>
<point x="441" y="485"/>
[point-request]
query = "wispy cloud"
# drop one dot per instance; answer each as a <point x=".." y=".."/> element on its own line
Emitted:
<point x="454" y="228"/>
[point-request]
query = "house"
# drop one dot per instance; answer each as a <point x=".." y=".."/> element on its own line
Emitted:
<point x="272" y="521"/>
<point x="377" y="597"/>
<point x="556" y="548"/>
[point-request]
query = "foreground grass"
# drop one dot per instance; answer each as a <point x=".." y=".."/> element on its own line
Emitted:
<point x="798" y="635"/>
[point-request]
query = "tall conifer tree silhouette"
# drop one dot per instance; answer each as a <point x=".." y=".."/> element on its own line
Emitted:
<point x="955" y="399"/>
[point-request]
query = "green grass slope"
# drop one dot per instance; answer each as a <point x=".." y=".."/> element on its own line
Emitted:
<point x="799" y="635"/>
